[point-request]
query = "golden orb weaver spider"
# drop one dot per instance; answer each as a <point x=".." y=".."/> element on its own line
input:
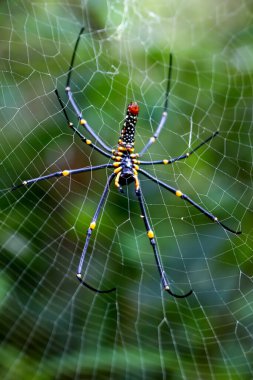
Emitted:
<point x="126" y="167"/>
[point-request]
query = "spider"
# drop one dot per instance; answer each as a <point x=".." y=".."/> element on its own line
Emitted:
<point x="126" y="169"/>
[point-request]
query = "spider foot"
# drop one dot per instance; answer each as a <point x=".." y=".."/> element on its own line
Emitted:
<point x="227" y="228"/>
<point x="14" y="187"/>
<point x="79" y="277"/>
<point x="167" y="288"/>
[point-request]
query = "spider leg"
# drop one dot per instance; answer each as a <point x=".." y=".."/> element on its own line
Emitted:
<point x="179" y="194"/>
<point x="82" y="121"/>
<point x="62" y="173"/>
<point x="73" y="56"/>
<point x="164" y="114"/>
<point x="183" y="156"/>
<point x="82" y="137"/>
<point x="150" y="234"/>
<point x="88" y="236"/>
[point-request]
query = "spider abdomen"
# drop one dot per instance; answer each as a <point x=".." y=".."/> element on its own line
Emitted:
<point x="128" y="131"/>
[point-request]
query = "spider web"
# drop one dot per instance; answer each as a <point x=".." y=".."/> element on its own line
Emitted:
<point x="51" y="327"/>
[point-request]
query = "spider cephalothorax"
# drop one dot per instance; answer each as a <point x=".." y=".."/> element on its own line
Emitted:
<point x="126" y="167"/>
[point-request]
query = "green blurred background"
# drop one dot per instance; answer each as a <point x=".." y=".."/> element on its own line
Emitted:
<point x="51" y="328"/>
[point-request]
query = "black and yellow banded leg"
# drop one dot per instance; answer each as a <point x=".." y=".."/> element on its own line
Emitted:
<point x="164" y="114"/>
<point x="82" y="137"/>
<point x="73" y="56"/>
<point x="150" y="233"/>
<point x="63" y="173"/>
<point x="136" y="178"/>
<point x="85" y="124"/>
<point x="156" y="134"/>
<point x="182" y="157"/>
<point x="82" y="121"/>
<point x="88" y="236"/>
<point x="117" y="172"/>
<point x="179" y="194"/>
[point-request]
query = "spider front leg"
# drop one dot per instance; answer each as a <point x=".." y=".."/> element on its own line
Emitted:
<point x="150" y="234"/>
<point x="88" y="236"/>
<point x="181" y="195"/>
<point x="62" y="173"/>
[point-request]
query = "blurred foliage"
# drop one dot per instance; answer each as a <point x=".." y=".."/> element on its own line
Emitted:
<point x="52" y="328"/>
